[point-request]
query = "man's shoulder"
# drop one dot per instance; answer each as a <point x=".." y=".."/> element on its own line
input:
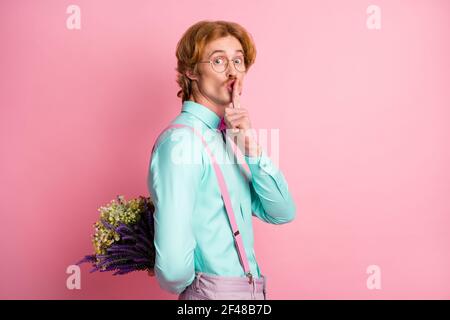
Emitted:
<point x="182" y="132"/>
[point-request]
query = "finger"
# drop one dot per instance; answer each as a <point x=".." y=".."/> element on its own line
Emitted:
<point x="231" y="126"/>
<point x="240" y="88"/>
<point x="232" y="111"/>
<point x="229" y="119"/>
<point x="238" y="121"/>
<point x="236" y="98"/>
<point x="235" y="122"/>
<point x="235" y="116"/>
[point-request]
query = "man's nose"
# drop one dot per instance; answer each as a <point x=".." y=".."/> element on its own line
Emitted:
<point x="231" y="71"/>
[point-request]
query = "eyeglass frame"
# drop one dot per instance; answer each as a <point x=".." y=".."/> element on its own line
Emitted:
<point x="226" y="67"/>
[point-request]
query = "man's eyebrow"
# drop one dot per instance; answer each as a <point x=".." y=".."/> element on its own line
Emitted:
<point x="223" y="51"/>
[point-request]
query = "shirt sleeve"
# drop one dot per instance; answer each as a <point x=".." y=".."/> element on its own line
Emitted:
<point x="271" y="200"/>
<point x="173" y="180"/>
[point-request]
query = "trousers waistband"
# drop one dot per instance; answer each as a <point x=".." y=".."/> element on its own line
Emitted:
<point x="228" y="283"/>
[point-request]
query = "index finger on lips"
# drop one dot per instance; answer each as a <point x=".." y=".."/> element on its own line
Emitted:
<point x="236" y="96"/>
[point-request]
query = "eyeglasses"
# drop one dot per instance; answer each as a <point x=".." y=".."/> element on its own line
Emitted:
<point x="220" y="63"/>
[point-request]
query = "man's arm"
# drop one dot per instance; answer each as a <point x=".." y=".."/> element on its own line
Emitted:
<point x="173" y="182"/>
<point x="271" y="199"/>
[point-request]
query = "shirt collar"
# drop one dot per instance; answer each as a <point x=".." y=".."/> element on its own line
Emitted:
<point x="209" y="117"/>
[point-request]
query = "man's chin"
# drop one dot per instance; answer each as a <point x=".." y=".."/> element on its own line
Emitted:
<point x="225" y="101"/>
<point x="228" y="99"/>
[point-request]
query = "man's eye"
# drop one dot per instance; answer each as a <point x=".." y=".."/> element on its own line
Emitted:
<point x="218" y="60"/>
<point x="238" y="60"/>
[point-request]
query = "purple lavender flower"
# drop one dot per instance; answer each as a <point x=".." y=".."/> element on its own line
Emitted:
<point x="129" y="239"/>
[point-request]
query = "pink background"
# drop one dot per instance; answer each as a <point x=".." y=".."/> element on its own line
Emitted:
<point x="363" y="118"/>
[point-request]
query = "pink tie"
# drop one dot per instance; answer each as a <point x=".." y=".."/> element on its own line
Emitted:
<point x="222" y="125"/>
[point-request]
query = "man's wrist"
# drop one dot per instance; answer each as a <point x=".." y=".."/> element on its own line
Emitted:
<point x="254" y="152"/>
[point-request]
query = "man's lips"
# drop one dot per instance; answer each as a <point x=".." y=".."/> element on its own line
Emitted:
<point x="230" y="85"/>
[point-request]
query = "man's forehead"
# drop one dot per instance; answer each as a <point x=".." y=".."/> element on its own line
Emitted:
<point x="223" y="51"/>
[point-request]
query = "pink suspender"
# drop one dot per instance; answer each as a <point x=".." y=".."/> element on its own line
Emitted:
<point x="226" y="199"/>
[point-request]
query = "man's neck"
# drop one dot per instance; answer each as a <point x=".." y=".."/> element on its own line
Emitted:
<point x="217" y="109"/>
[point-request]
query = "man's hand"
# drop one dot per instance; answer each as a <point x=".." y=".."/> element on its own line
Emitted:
<point x="237" y="119"/>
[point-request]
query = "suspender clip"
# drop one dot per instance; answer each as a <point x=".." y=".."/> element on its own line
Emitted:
<point x="250" y="277"/>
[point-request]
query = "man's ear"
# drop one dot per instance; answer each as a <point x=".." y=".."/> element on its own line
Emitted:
<point x="191" y="75"/>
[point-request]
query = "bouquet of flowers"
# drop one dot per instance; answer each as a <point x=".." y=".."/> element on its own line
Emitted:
<point x="123" y="238"/>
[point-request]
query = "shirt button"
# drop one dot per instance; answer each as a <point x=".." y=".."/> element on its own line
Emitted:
<point x="265" y="166"/>
<point x="263" y="163"/>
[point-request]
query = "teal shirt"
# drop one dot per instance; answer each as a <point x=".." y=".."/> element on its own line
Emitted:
<point x="192" y="230"/>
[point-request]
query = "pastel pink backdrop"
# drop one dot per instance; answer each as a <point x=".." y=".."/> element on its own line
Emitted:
<point x="363" y="118"/>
